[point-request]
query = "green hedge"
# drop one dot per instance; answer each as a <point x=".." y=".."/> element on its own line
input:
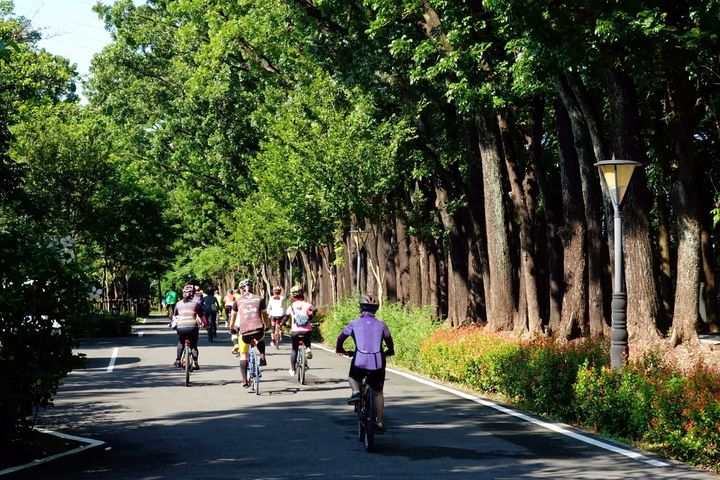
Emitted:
<point x="103" y="324"/>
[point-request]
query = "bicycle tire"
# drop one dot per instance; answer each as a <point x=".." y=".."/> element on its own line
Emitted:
<point x="360" y="424"/>
<point x="256" y="379"/>
<point x="300" y="365"/>
<point x="187" y="357"/>
<point x="369" y="420"/>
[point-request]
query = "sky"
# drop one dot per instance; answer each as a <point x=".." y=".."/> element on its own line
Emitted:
<point x="69" y="28"/>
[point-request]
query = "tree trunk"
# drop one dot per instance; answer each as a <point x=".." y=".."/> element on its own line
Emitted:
<point x="643" y="306"/>
<point x="528" y="306"/>
<point x="710" y="291"/>
<point x="665" y="277"/>
<point x="685" y="317"/>
<point x="552" y="286"/>
<point x="456" y="259"/>
<point x="574" y="305"/>
<point x="499" y="288"/>
<point x="593" y="200"/>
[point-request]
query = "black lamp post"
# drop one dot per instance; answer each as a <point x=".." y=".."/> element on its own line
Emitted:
<point x="617" y="175"/>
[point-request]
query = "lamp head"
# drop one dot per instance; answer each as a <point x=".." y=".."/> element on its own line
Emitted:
<point x="617" y="175"/>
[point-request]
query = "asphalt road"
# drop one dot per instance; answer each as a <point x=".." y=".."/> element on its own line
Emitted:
<point x="156" y="428"/>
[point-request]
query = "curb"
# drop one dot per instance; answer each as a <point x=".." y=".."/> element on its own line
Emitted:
<point x="90" y="443"/>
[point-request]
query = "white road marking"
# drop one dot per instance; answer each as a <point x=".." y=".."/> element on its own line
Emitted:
<point x="550" y="426"/>
<point x="112" y="360"/>
<point x="88" y="441"/>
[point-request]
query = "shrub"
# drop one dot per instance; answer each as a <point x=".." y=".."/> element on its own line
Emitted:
<point x="407" y="326"/>
<point x="614" y="403"/>
<point x="103" y="324"/>
<point x="41" y="294"/>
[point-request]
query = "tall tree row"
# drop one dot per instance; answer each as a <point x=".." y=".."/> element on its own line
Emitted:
<point x="461" y="135"/>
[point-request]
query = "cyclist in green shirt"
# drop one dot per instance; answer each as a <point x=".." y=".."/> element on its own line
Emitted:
<point x="171" y="297"/>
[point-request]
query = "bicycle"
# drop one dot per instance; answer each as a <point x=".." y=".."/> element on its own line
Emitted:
<point x="254" y="373"/>
<point x="277" y="333"/>
<point x="186" y="361"/>
<point x="212" y="329"/>
<point x="367" y="414"/>
<point x="301" y="364"/>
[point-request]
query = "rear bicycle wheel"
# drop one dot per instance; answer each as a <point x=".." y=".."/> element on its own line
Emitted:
<point x="369" y="421"/>
<point x="188" y="365"/>
<point x="300" y="365"/>
<point x="256" y="378"/>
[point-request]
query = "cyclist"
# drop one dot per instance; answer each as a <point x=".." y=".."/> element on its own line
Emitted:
<point x="228" y="302"/>
<point x="276" y="311"/>
<point x="210" y="307"/>
<point x="187" y="312"/>
<point x="170" y="301"/>
<point x="300" y="314"/>
<point x="369" y="360"/>
<point x="250" y="318"/>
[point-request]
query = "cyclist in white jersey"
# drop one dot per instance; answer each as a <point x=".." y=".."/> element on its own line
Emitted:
<point x="276" y="312"/>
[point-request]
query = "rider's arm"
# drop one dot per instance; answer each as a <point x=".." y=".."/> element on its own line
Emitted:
<point x="265" y="318"/>
<point x="340" y="340"/>
<point x="233" y="315"/>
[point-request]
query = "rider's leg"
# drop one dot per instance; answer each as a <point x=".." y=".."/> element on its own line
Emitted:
<point x="194" y="334"/>
<point x="354" y="385"/>
<point x="180" y="345"/>
<point x="379" y="406"/>
<point x="295" y="342"/>
<point x="244" y="369"/>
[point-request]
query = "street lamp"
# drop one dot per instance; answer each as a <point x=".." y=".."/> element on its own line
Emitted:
<point x="617" y="175"/>
<point x="359" y="237"/>
<point x="291" y="253"/>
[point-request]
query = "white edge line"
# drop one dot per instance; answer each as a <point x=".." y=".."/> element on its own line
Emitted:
<point x="550" y="426"/>
<point x="89" y="441"/>
<point x="112" y="359"/>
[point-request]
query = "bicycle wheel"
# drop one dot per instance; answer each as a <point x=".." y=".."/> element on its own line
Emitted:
<point x="359" y="409"/>
<point x="188" y="365"/>
<point x="256" y="378"/>
<point x="369" y="420"/>
<point x="300" y="365"/>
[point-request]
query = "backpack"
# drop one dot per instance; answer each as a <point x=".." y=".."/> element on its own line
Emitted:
<point x="301" y="320"/>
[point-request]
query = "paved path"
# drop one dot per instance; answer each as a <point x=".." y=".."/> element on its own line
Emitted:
<point x="156" y="428"/>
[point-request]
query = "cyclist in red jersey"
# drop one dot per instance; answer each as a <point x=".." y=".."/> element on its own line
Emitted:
<point x="250" y="319"/>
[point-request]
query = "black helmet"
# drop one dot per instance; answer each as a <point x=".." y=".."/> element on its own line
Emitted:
<point x="368" y="303"/>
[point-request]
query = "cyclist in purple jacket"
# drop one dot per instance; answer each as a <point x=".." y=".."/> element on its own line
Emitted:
<point x="369" y="360"/>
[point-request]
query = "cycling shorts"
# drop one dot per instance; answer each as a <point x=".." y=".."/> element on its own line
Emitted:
<point x="375" y="378"/>
<point x="258" y="336"/>
<point x="277" y="320"/>
<point x="243" y="347"/>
